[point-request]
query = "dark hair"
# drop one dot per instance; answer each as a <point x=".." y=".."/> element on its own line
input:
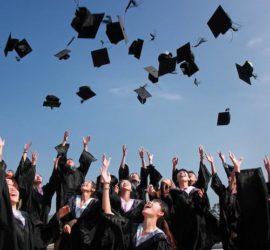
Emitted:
<point x="191" y="172"/>
<point x="163" y="205"/>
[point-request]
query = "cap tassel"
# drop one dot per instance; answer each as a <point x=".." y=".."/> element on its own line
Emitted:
<point x="201" y="40"/>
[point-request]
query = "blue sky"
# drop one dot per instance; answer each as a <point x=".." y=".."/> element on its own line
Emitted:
<point x="175" y="121"/>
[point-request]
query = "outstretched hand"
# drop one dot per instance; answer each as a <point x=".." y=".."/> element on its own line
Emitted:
<point x="221" y="156"/>
<point x="66" y="135"/>
<point x="201" y="152"/>
<point x="209" y="158"/>
<point x="124" y="148"/>
<point x="141" y="152"/>
<point x="174" y="161"/>
<point x="34" y="158"/>
<point x="236" y="162"/>
<point x="150" y="157"/>
<point x="104" y="169"/>
<point x="26" y="147"/>
<point x="2" y="142"/>
<point x="86" y="141"/>
<point x="266" y="162"/>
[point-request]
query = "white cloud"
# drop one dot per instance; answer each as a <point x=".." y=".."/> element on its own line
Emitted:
<point x="255" y="42"/>
<point x="169" y="96"/>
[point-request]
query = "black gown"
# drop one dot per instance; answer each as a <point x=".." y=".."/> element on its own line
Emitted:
<point x="37" y="204"/>
<point x="70" y="180"/>
<point x="84" y="230"/>
<point x="230" y="214"/>
<point x="187" y="211"/>
<point x="23" y="237"/>
<point x="126" y="230"/>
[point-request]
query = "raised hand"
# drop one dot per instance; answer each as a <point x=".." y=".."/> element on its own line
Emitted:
<point x="174" y="162"/>
<point x="104" y="170"/>
<point x="236" y="163"/>
<point x="151" y="191"/>
<point x="266" y="162"/>
<point x="201" y="152"/>
<point x="141" y="152"/>
<point x="221" y="156"/>
<point x="209" y="158"/>
<point x="2" y="143"/>
<point x="66" y="135"/>
<point x="26" y="147"/>
<point x="86" y="141"/>
<point x="34" y="158"/>
<point x="150" y="158"/>
<point x="67" y="229"/>
<point x="124" y="148"/>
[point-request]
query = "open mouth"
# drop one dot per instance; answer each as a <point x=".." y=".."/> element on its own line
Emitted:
<point x="148" y="205"/>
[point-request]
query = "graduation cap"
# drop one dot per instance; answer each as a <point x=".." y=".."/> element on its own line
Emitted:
<point x="63" y="54"/>
<point x="167" y="63"/>
<point x="100" y="57"/>
<point x="116" y="31"/>
<point x="189" y="68"/>
<point x="245" y="72"/>
<point x="22" y="48"/>
<point x="224" y="118"/>
<point x="152" y="74"/>
<point x="143" y="94"/>
<point x="85" y="93"/>
<point x="184" y="53"/>
<point x="136" y="48"/>
<point x="220" y="22"/>
<point x="52" y="102"/>
<point x="10" y="45"/>
<point x="86" y="23"/>
<point x="131" y="3"/>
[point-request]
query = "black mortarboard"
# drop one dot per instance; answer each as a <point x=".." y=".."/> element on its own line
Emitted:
<point x="85" y="23"/>
<point x="189" y="68"/>
<point x="52" y="102"/>
<point x="23" y="48"/>
<point x="63" y="54"/>
<point x="143" y="94"/>
<point x="220" y="22"/>
<point x="116" y="31"/>
<point x="245" y="72"/>
<point x="153" y="74"/>
<point x="167" y="63"/>
<point x="136" y="48"/>
<point x="100" y="57"/>
<point x="10" y="45"/>
<point x="224" y="118"/>
<point x="184" y="53"/>
<point x="85" y="93"/>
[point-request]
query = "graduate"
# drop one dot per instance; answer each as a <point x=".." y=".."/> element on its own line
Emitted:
<point x="143" y="236"/>
<point x="35" y="197"/>
<point x="82" y="219"/>
<point x="71" y="177"/>
<point x="230" y="214"/>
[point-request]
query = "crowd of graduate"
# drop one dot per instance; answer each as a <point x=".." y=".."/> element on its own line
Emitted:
<point x="131" y="211"/>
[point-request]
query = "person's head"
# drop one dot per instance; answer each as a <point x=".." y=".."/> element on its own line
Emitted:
<point x="13" y="191"/>
<point x="182" y="176"/>
<point x="125" y="185"/>
<point x="166" y="185"/>
<point x="9" y="174"/>
<point x="134" y="178"/>
<point x="88" y="186"/>
<point x="38" y="179"/>
<point x="70" y="163"/>
<point x="155" y="209"/>
<point x="192" y="178"/>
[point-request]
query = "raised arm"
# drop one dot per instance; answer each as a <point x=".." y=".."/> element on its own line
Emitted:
<point x="2" y="163"/>
<point x="267" y="166"/>
<point x="174" y="169"/>
<point x="236" y="162"/>
<point x="201" y="152"/>
<point x="210" y="159"/>
<point x="123" y="172"/>
<point x="141" y="154"/>
<point x="106" y="178"/>
<point x="86" y="158"/>
<point x="63" y="147"/>
<point x="154" y="174"/>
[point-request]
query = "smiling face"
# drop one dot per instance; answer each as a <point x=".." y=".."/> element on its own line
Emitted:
<point x="166" y="186"/>
<point x="70" y="162"/>
<point x="38" y="179"/>
<point x="134" y="178"/>
<point x="192" y="178"/>
<point x="125" y="185"/>
<point x="13" y="192"/>
<point x="152" y="209"/>
<point x="182" y="176"/>
<point x="86" y="186"/>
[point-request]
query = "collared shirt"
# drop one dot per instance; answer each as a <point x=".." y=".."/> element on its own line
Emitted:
<point x="79" y="209"/>
<point x="126" y="205"/>
<point x="18" y="215"/>
<point x="142" y="238"/>
<point x="188" y="189"/>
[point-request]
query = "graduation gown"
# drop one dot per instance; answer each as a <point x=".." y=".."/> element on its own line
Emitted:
<point x="126" y="235"/>
<point x="70" y="180"/>
<point x="37" y="204"/>
<point x="230" y="214"/>
<point x="135" y="212"/>
<point x="23" y="237"/>
<point x="188" y="208"/>
<point x="84" y="230"/>
<point x="253" y="202"/>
